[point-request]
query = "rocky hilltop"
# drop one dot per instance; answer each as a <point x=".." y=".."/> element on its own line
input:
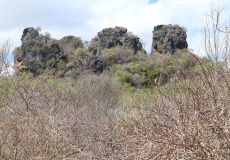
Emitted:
<point x="112" y="37"/>
<point x="68" y="56"/>
<point x="168" y="39"/>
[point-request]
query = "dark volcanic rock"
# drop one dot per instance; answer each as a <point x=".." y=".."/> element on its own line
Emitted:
<point x="96" y="64"/>
<point x="39" y="52"/>
<point x="168" y="38"/>
<point x="29" y="34"/>
<point x="72" y="40"/>
<point x="112" y="37"/>
<point x="34" y="50"/>
<point x="67" y="39"/>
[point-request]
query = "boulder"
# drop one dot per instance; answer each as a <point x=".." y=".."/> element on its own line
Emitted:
<point x="168" y="39"/>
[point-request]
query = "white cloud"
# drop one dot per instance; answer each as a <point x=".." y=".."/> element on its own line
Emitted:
<point x="86" y="18"/>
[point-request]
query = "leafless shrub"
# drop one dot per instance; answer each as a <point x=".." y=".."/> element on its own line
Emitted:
<point x="89" y="118"/>
<point x="49" y="118"/>
<point x="184" y="120"/>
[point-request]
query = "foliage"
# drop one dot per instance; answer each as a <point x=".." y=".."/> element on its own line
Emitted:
<point x="61" y="65"/>
<point x="109" y="52"/>
<point x="76" y="42"/>
<point x="135" y="67"/>
<point x="80" y="52"/>
<point x="123" y="77"/>
<point x="138" y="80"/>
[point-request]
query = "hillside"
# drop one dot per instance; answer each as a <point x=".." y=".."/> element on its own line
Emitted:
<point x="114" y="51"/>
<point x="109" y="99"/>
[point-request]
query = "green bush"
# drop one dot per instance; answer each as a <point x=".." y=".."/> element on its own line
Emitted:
<point x="123" y="77"/>
<point x="80" y="52"/>
<point x="108" y="52"/>
<point x="61" y="65"/>
<point x="152" y="74"/>
<point x="187" y="61"/>
<point x="76" y="42"/>
<point x="135" y="67"/>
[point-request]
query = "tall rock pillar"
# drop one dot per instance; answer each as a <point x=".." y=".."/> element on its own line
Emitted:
<point x="168" y="39"/>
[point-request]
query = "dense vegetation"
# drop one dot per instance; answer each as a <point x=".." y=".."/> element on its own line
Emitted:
<point x="142" y="107"/>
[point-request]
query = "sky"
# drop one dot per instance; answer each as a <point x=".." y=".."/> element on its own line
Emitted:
<point x="85" y="18"/>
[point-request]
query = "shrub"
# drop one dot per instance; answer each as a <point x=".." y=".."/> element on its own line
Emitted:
<point x="61" y="65"/>
<point x="76" y="42"/>
<point x="109" y="52"/>
<point x="135" y="67"/>
<point x="52" y="118"/>
<point x="123" y="55"/>
<point x="123" y="77"/>
<point x="138" y="80"/>
<point x="79" y="52"/>
<point x="4" y="91"/>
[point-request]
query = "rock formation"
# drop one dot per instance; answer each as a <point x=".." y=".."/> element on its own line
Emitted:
<point x="168" y="39"/>
<point x="112" y="37"/>
<point x="39" y="52"/>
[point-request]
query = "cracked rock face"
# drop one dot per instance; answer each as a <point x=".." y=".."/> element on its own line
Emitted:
<point x="112" y="37"/>
<point x="168" y="39"/>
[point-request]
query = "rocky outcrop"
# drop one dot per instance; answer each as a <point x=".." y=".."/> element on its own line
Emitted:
<point x="38" y="52"/>
<point x="29" y="34"/>
<point x="112" y="37"/>
<point x="33" y="51"/>
<point x="168" y="39"/>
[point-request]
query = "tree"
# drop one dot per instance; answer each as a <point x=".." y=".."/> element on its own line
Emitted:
<point x="5" y="58"/>
<point x="216" y="36"/>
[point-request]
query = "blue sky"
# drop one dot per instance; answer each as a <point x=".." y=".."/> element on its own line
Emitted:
<point x="153" y="1"/>
<point x="86" y="18"/>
